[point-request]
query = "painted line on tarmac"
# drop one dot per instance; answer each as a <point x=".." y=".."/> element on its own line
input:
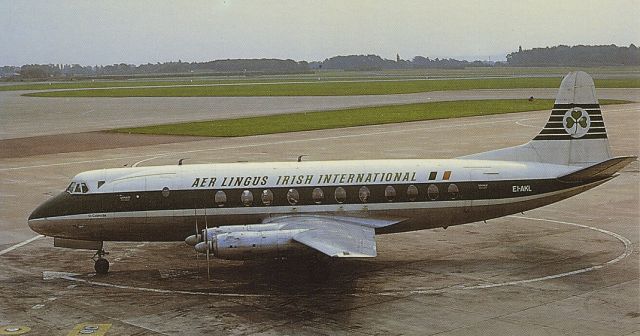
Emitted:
<point x="7" y="250"/>
<point x="97" y="329"/>
<point x="159" y="291"/>
<point x="14" y="330"/>
<point x="628" y="250"/>
<point x="526" y="125"/>
<point x="149" y="159"/>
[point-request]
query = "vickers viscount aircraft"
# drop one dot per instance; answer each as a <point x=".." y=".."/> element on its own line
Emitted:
<point x="335" y="208"/>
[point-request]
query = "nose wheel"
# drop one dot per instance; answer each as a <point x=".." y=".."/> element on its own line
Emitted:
<point x="101" y="264"/>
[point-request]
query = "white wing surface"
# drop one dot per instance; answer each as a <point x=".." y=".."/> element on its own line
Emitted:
<point x="335" y="236"/>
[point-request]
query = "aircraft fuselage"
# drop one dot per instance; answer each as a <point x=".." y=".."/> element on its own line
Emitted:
<point x="164" y="203"/>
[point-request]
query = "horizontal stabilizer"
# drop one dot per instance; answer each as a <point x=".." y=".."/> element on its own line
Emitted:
<point x="600" y="170"/>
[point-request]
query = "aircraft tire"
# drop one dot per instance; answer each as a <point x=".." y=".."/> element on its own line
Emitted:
<point x="101" y="266"/>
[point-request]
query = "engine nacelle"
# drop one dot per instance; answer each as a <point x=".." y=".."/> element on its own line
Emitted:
<point x="242" y="228"/>
<point x="214" y="231"/>
<point x="241" y="245"/>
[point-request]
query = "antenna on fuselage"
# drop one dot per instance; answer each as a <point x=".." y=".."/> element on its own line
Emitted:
<point x="301" y="156"/>
<point x="180" y="161"/>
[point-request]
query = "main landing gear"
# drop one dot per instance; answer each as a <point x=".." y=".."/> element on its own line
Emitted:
<point x="101" y="264"/>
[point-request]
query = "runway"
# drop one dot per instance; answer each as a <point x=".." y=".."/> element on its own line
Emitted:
<point x="571" y="268"/>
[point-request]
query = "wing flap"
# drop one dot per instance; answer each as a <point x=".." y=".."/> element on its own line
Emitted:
<point x="340" y="240"/>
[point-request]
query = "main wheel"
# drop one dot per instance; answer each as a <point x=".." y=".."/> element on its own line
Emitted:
<point x="101" y="266"/>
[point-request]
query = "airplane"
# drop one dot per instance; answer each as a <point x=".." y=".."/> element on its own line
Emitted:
<point x="332" y="208"/>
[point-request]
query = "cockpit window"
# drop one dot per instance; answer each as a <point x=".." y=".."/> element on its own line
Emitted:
<point x="70" y="187"/>
<point x="77" y="188"/>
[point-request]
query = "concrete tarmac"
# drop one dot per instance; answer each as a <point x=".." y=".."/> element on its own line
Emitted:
<point x="571" y="268"/>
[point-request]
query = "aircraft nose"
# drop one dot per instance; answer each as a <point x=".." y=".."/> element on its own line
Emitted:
<point x="38" y="225"/>
<point x="38" y="221"/>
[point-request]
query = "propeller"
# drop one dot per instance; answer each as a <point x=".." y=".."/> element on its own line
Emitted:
<point x="207" y="244"/>
<point x="193" y="240"/>
<point x="195" y="212"/>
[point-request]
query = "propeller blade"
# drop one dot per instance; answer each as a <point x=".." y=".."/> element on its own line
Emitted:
<point x="195" y="212"/>
<point x="208" y="245"/>
<point x="196" y="238"/>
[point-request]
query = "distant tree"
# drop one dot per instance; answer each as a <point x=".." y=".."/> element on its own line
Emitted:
<point x="37" y="71"/>
<point x="579" y="55"/>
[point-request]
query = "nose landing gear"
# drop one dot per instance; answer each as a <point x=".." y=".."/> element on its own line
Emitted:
<point x="101" y="264"/>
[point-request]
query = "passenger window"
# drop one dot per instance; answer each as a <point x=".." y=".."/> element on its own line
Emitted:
<point x="433" y="192"/>
<point x="318" y="195"/>
<point x="453" y="191"/>
<point x="364" y="194"/>
<point x="390" y="193"/>
<point x="293" y="197"/>
<point x="165" y="192"/>
<point x="412" y="193"/>
<point x="247" y="198"/>
<point x="340" y="195"/>
<point x="84" y="187"/>
<point x="267" y="197"/>
<point x="220" y="198"/>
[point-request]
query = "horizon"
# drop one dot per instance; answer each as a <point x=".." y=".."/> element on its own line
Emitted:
<point x="308" y="61"/>
<point x="142" y="32"/>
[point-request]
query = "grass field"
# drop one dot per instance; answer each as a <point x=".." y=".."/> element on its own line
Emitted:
<point x="324" y="88"/>
<point x="204" y="78"/>
<point x="346" y="118"/>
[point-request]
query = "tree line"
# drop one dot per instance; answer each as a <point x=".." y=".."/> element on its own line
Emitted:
<point x="601" y="55"/>
<point x="580" y="55"/>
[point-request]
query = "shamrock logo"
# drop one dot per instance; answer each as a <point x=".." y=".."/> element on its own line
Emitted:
<point x="576" y="122"/>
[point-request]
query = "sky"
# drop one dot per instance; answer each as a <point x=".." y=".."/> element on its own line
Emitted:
<point x="104" y="32"/>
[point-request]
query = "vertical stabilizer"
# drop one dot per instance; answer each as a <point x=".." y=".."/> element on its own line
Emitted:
<point x="576" y="112"/>
<point x="574" y="134"/>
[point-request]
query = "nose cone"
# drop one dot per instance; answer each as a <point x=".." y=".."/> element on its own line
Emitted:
<point x="201" y="247"/>
<point x="50" y="208"/>
<point x="38" y="224"/>
<point x="193" y="240"/>
<point x="204" y="246"/>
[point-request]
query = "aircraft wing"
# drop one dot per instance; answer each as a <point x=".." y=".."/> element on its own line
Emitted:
<point x="334" y="236"/>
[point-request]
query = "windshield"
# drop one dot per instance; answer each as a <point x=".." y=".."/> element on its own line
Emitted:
<point x="77" y="188"/>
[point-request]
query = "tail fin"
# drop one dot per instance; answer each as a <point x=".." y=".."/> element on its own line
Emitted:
<point x="574" y="135"/>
